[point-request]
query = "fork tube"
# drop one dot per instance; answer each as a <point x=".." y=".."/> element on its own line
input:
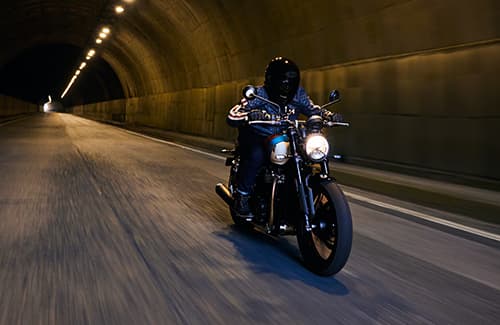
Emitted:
<point x="325" y="169"/>
<point x="270" y="226"/>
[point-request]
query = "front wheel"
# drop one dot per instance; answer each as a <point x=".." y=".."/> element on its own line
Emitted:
<point x="326" y="248"/>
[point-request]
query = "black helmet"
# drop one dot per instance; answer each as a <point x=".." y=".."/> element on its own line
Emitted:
<point x="282" y="80"/>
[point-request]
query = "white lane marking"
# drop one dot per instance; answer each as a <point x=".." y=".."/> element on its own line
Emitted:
<point x="425" y="216"/>
<point x="176" y="145"/>
<point x="16" y="120"/>
<point x="358" y="197"/>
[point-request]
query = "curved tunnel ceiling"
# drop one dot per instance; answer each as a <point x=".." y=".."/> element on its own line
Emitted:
<point x="42" y="70"/>
<point x="42" y="43"/>
<point x="26" y="23"/>
<point x="166" y="45"/>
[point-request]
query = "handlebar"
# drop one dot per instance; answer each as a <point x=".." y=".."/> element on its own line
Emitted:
<point x="285" y="122"/>
<point x="279" y="122"/>
<point x="334" y="124"/>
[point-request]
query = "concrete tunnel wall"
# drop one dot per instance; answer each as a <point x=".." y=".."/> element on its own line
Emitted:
<point x="10" y="106"/>
<point x="418" y="78"/>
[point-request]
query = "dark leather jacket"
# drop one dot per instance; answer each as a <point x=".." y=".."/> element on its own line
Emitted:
<point x="300" y="104"/>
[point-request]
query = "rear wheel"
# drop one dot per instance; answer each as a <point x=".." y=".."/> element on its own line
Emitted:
<point x="326" y="248"/>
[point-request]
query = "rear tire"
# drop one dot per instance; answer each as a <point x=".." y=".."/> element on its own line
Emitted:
<point x="326" y="248"/>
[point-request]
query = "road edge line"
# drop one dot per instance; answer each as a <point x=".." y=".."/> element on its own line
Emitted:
<point x="425" y="216"/>
<point x="420" y="215"/>
<point x="175" y="145"/>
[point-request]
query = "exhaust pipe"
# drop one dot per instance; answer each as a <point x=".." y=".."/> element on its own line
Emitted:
<point x="224" y="193"/>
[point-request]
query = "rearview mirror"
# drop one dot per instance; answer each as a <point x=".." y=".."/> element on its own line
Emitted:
<point x="334" y="96"/>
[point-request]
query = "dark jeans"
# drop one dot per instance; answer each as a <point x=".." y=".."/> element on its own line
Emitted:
<point x="253" y="155"/>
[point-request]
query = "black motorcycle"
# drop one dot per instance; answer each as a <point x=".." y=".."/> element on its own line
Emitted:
<point x="294" y="193"/>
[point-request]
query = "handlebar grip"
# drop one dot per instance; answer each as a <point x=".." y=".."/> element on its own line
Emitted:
<point x="332" y="124"/>
<point x="263" y="122"/>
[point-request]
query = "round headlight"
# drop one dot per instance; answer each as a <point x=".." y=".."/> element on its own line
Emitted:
<point x="317" y="147"/>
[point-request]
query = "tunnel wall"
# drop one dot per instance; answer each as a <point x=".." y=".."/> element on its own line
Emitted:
<point x="436" y="110"/>
<point x="12" y="106"/>
<point x="106" y="111"/>
<point x="418" y="78"/>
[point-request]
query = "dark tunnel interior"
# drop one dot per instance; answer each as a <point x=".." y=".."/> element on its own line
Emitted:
<point x="45" y="69"/>
<point x="153" y="189"/>
<point x="418" y="78"/>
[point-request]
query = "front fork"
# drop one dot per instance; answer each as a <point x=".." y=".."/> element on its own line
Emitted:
<point x="306" y="195"/>
<point x="305" y="192"/>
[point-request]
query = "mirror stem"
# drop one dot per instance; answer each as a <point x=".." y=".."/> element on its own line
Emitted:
<point x="331" y="103"/>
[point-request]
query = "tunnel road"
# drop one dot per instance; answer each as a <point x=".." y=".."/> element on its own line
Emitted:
<point x="98" y="226"/>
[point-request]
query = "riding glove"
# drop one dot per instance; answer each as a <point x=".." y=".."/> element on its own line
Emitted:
<point x="258" y="115"/>
<point x="333" y="117"/>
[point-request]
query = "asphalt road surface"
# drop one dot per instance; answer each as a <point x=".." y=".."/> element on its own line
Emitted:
<point x="99" y="226"/>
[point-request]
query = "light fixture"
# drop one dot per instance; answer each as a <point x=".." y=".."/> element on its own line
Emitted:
<point x="119" y="9"/>
<point x="68" y="87"/>
<point x="102" y="34"/>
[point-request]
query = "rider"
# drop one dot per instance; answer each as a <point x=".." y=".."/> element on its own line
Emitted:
<point x="281" y="85"/>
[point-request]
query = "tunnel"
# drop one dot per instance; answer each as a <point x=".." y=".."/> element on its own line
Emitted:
<point x="418" y="79"/>
<point x="118" y="206"/>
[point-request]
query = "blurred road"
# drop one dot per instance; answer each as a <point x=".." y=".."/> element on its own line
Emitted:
<point x="98" y="226"/>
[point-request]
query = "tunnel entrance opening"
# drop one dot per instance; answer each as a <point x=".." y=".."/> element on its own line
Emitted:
<point x="52" y="106"/>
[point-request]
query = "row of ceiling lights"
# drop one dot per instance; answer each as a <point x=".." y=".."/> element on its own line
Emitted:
<point x="102" y="34"/>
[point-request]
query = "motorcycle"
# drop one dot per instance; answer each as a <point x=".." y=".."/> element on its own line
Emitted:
<point x="294" y="193"/>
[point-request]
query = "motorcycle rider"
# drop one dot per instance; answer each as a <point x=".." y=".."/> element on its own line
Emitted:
<point x="282" y="86"/>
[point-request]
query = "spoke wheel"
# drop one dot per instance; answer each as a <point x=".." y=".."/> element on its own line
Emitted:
<point x="324" y="233"/>
<point x="326" y="248"/>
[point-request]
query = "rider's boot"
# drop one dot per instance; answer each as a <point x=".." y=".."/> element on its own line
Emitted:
<point x="242" y="205"/>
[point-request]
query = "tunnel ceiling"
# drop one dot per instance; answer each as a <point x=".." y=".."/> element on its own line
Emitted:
<point x="167" y="45"/>
<point x="42" y="43"/>
<point x="27" y="23"/>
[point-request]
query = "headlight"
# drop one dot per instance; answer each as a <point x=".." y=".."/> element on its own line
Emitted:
<point x="317" y="147"/>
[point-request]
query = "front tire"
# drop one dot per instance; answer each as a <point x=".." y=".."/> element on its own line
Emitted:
<point x="326" y="248"/>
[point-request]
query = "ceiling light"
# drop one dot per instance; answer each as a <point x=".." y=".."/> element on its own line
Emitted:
<point x="119" y="9"/>
<point x="83" y="65"/>
<point x="77" y="72"/>
<point x="98" y="41"/>
<point x="106" y="30"/>
<point x="103" y="35"/>
<point x="91" y="53"/>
